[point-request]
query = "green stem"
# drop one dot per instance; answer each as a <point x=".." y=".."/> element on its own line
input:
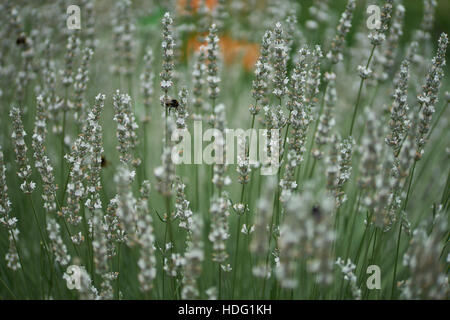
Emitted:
<point x="358" y="99"/>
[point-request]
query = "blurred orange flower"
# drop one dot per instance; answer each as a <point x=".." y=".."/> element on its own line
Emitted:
<point x="233" y="51"/>
<point x="182" y="4"/>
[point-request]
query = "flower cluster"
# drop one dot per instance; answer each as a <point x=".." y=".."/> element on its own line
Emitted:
<point x="429" y="96"/>
<point x="126" y="128"/>
<point x="94" y="134"/>
<point x="279" y="61"/>
<point x="213" y="78"/>
<point x="41" y="160"/>
<point x="20" y="148"/>
<point x="345" y="23"/>
<point x="377" y="36"/>
<point x="262" y="71"/>
<point x="147" y="83"/>
<point x="167" y="46"/>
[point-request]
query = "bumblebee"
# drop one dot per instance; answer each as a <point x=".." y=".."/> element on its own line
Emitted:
<point x="104" y="162"/>
<point x="21" y="40"/>
<point x="316" y="212"/>
<point x="172" y="104"/>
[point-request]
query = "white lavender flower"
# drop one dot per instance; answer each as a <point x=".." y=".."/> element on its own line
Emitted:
<point x="126" y="128"/>
<point x="262" y="71"/>
<point x="6" y="219"/>
<point x="114" y="232"/>
<point x="57" y="244"/>
<point x="332" y="159"/>
<point x="126" y="206"/>
<point x="94" y="133"/>
<point x="364" y="72"/>
<point x="123" y="38"/>
<point x="377" y="36"/>
<point x="12" y="256"/>
<point x="427" y="276"/>
<point x="279" y="61"/>
<point x="392" y="40"/>
<point x="165" y="174"/>
<point x="313" y="81"/>
<point x="326" y="120"/>
<point x="306" y="233"/>
<point x="182" y="113"/>
<point x="182" y="210"/>
<point x="198" y="79"/>
<point x="213" y="77"/>
<point x="345" y="23"/>
<point x="301" y="116"/>
<point x="399" y="123"/>
<point x="194" y="257"/>
<point x="347" y="269"/>
<point x="147" y="83"/>
<point x="345" y="169"/>
<point x="219" y="233"/>
<point x="71" y="48"/>
<point x="167" y="46"/>
<point x="41" y="160"/>
<point x="259" y="243"/>
<point x="371" y="148"/>
<point x="80" y="84"/>
<point x="20" y="149"/>
<point x="76" y="190"/>
<point x="220" y="179"/>
<point x="146" y="241"/>
<point x="429" y="96"/>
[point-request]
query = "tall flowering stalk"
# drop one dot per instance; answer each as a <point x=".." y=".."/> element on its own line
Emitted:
<point x="8" y="220"/>
<point x="376" y="38"/>
<point x="279" y="61"/>
<point x="345" y="169"/>
<point x="326" y="120"/>
<point x="345" y="23"/>
<point x="126" y="129"/>
<point x="20" y="149"/>
<point x="41" y="160"/>
<point x="146" y="241"/>
<point x="80" y="85"/>
<point x="198" y="79"/>
<point x="123" y="41"/>
<point x="393" y="40"/>
<point x="76" y="190"/>
<point x="67" y="81"/>
<point x="220" y="179"/>
<point x="429" y="96"/>
<point x="194" y="257"/>
<point x="262" y="70"/>
<point x="399" y="123"/>
<point x="182" y="210"/>
<point x="94" y="133"/>
<point x="147" y="77"/>
<point x="213" y="78"/>
<point x="306" y="233"/>
<point x="167" y="46"/>
<point x="45" y="169"/>
<point x="219" y="233"/>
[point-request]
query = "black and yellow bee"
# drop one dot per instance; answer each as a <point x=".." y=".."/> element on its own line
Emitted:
<point x="104" y="162"/>
<point x="172" y="104"/>
<point x="21" y="40"/>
